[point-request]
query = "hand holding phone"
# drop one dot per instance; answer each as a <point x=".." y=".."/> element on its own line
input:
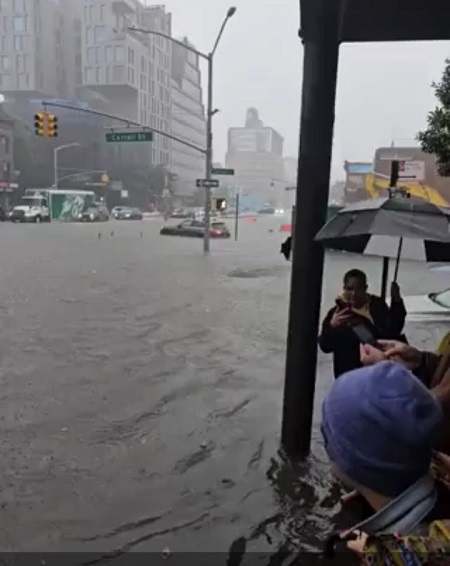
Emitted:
<point x="365" y="336"/>
<point x="340" y="317"/>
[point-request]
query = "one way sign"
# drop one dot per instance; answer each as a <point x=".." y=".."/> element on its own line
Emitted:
<point x="207" y="183"/>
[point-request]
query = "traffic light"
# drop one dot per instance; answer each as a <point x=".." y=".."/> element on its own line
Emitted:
<point x="40" y="123"/>
<point x="52" y="126"/>
<point x="219" y="204"/>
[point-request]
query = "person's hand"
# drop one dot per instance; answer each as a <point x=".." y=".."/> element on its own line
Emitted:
<point x="395" y="292"/>
<point x="370" y="355"/>
<point x="401" y="353"/>
<point x="339" y="318"/>
<point x="358" y="545"/>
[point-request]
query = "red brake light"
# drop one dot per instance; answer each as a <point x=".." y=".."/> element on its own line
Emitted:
<point x="215" y="232"/>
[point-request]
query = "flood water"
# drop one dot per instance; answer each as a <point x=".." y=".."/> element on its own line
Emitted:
<point x="141" y="387"/>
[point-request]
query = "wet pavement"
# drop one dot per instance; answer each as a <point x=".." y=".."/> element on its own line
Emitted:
<point x="141" y="387"/>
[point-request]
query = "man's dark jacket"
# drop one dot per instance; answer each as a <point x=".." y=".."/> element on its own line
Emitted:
<point x="343" y="343"/>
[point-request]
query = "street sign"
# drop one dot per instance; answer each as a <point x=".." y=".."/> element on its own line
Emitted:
<point x="120" y="137"/>
<point x="411" y="171"/>
<point x="221" y="171"/>
<point x="207" y="183"/>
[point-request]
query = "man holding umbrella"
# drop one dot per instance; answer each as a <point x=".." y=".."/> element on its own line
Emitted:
<point x="359" y="318"/>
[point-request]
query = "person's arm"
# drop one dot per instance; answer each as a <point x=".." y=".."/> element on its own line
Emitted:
<point x="429" y="362"/>
<point x="327" y="336"/>
<point x="397" y="316"/>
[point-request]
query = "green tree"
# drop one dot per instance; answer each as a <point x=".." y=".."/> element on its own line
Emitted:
<point x="436" y="138"/>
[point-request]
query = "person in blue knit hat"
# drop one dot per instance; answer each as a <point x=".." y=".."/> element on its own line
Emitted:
<point x="378" y="424"/>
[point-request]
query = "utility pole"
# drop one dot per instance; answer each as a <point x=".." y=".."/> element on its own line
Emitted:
<point x="209" y="156"/>
<point x="210" y="113"/>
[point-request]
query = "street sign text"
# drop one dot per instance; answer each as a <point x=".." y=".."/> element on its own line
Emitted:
<point x="411" y="171"/>
<point x="120" y="137"/>
<point x="221" y="171"/>
<point x="207" y="183"/>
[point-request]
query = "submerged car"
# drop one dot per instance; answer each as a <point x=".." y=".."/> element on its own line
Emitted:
<point x="129" y="214"/>
<point x="196" y="229"/>
<point x="97" y="213"/>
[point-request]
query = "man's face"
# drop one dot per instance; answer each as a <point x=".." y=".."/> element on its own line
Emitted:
<point x="355" y="291"/>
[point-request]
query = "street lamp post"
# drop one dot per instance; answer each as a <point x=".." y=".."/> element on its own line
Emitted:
<point x="55" y="160"/>
<point x="209" y="114"/>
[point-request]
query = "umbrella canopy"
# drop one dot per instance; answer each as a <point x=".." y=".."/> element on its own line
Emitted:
<point x="375" y="227"/>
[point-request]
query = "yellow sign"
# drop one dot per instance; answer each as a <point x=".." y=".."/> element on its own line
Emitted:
<point x="105" y="178"/>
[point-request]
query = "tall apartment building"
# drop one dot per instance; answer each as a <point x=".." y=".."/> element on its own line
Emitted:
<point x="130" y="70"/>
<point x="255" y="152"/>
<point x="33" y="48"/>
<point x="187" y="118"/>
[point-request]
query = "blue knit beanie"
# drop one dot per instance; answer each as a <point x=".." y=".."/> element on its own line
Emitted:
<point x="377" y="423"/>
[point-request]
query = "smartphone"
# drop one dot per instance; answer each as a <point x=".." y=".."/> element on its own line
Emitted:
<point x="342" y="305"/>
<point x="365" y="336"/>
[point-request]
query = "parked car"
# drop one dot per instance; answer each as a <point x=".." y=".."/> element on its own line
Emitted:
<point x="182" y="213"/>
<point x="97" y="213"/>
<point x="267" y="210"/>
<point x="129" y="214"/>
<point x="116" y="210"/>
<point x="196" y="229"/>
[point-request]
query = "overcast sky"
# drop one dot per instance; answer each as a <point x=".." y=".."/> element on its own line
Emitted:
<point x="384" y="90"/>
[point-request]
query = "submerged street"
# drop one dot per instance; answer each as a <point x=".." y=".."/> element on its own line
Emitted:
<point x="141" y="386"/>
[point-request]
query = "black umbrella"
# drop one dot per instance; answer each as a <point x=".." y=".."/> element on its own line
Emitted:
<point x="395" y="226"/>
<point x="378" y="227"/>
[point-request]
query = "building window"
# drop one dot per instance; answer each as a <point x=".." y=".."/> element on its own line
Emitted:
<point x="90" y="55"/>
<point x="130" y="56"/>
<point x="98" y="55"/>
<point x="89" y="75"/>
<point x="98" y="75"/>
<point x="6" y="64"/>
<point x="18" y="42"/>
<point x="19" y="5"/>
<point x="89" y="35"/>
<point x="119" y="54"/>
<point x="102" y="13"/>
<point x="99" y="34"/>
<point x="19" y="23"/>
<point x="20" y="63"/>
<point x="108" y="54"/>
<point x="118" y="73"/>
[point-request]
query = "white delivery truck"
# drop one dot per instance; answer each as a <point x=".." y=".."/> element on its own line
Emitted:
<point x="44" y="205"/>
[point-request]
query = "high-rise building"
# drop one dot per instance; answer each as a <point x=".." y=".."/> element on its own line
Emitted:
<point x="32" y="48"/>
<point x="187" y="119"/>
<point x="255" y="152"/>
<point x="130" y="70"/>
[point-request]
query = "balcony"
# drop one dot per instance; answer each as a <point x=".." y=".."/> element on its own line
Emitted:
<point x="124" y="7"/>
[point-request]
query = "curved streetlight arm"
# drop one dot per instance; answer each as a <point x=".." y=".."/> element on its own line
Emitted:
<point x="170" y="38"/>
<point x="219" y="36"/>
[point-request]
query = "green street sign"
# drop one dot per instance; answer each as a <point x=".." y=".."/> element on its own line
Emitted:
<point x="223" y="171"/>
<point x="120" y="137"/>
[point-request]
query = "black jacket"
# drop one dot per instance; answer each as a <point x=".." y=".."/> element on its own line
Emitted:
<point x="343" y="343"/>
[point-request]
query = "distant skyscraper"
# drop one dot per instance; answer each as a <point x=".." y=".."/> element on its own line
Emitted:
<point x="255" y="152"/>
